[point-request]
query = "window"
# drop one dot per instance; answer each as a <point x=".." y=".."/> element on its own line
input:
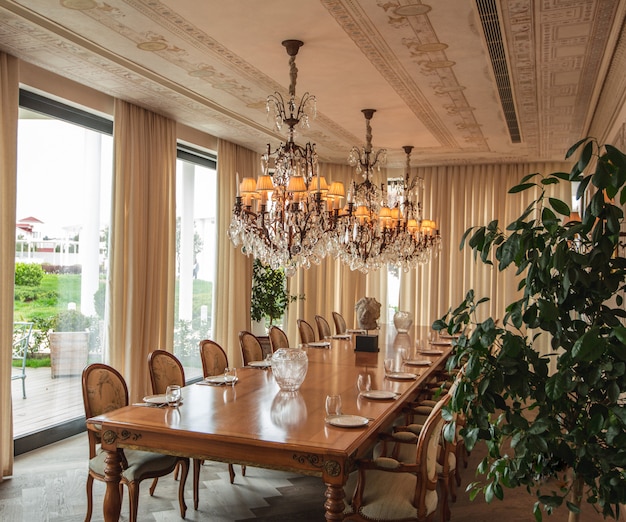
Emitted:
<point x="196" y="246"/>
<point x="63" y="208"/>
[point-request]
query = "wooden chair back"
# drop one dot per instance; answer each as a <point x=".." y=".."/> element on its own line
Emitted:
<point x="278" y="338"/>
<point x="340" y="323"/>
<point x="323" y="328"/>
<point x="213" y="357"/>
<point x="307" y="334"/>
<point x="165" y="369"/>
<point x="251" y="349"/>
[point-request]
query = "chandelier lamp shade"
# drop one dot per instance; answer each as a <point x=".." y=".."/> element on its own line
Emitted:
<point x="291" y="217"/>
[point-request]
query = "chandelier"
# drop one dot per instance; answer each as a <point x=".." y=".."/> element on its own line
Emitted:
<point x="380" y="226"/>
<point x="283" y="218"/>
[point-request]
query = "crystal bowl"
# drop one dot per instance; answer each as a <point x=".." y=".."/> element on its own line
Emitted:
<point x="402" y="321"/>
<point x="289" y="366"/>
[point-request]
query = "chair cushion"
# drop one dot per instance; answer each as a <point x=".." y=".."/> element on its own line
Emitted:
<point x="140" y="463"/>
<point x="388" y="496"/>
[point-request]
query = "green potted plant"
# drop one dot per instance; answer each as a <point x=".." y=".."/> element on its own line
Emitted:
<point x="567" y="425"/>
<point x="69" y="343"/>
<point x="269" y="298"/>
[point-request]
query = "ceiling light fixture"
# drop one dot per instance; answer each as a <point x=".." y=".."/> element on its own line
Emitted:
<point x="284" y="216"/>
<point x="382" y="226"/>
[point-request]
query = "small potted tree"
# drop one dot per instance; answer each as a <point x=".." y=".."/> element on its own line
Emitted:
<point x="69" y="343"/>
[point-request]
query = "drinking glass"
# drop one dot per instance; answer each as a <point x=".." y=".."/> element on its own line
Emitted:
<point x="173" y="395"/>
<point x="402" y="355"/>
<point x="364" y="382"/>
<point x="390" y="366"/>
<point x="230" y="376"/>
<point x="333" y="405"/>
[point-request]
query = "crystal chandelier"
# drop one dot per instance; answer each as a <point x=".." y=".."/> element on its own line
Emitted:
<point x="379" y="227"/>
<point x="283" y="218"/>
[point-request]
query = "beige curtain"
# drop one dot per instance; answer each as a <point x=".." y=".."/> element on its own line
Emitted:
<point x="143" y="232"/>
<point x="9" y="96"/>
<point x="234" y="270"/>
<point x="459" y="197"/>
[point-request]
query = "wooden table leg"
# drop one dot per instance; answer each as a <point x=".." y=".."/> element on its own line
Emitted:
<point x="112" y="474"/>
<point x="334" y="501"/>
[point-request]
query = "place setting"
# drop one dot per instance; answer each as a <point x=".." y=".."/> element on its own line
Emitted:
<point x="364" y="385"/>
<point x="335" y="417"/>
<point x="393" y="370"/>
<point x="172" y="397"/>
<point x="228" y="378"/>
<point x="264" y="364"/>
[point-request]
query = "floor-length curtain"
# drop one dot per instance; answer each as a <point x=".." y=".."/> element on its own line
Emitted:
<point x="459" y="197"/>
<point x="234" y="269"/>
<point x="143" y="236"/>
<point x="9" y="96"/>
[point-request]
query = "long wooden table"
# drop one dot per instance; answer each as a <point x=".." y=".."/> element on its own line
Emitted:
<point x="256" y="424"/>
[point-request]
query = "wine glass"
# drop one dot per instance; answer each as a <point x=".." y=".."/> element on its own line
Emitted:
<point x="333" y="405"/>
<point x="390" y="366"/>
<point x="173" y="395"/>
<point x="364" y="382"/>
<point x="230" y="375"/>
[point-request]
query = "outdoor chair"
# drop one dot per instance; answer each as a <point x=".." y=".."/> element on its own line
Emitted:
<point x="21" y="343"/>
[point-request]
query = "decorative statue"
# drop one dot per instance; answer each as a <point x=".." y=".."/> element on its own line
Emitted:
<point x="367" y="313"/>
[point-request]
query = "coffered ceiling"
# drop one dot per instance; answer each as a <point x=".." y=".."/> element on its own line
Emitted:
<point x="463" y="81"/>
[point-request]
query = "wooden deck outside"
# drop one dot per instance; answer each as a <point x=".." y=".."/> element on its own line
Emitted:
<point x="48" y="401"/>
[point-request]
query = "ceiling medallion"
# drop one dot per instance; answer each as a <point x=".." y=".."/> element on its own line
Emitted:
<point x="412" y="10"/>
<point x="79" y="5"/>
<point x="152" y="46"/>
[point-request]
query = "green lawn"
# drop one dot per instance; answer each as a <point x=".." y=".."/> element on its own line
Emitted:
<point x="67" y="287"/>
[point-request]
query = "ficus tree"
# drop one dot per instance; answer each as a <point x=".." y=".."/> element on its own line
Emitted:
<point x="558" y="415"/>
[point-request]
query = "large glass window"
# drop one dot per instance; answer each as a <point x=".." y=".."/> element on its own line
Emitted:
<point x="196" y="245"/>
<point x="63" y="208"/>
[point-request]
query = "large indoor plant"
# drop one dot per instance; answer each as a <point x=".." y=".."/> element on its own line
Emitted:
<point x="566" y="424"/>
<point x="270" y="297"/>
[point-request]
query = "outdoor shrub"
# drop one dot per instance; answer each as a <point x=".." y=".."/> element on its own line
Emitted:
<point x="99" y="298"/>
<point x="70" y="321"/>
<point x="28" y="274"/>
<point x="25" y="294"/>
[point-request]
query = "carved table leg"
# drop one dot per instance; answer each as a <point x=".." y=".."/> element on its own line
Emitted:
<point x="112" y="473"/>
<point x="334" y="501"/>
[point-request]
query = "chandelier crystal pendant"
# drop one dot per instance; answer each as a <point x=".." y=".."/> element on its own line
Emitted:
<point x="382" y="227"/>
<point x="283" y="218"/>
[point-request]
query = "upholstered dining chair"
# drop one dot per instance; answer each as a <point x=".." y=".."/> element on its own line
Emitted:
<point x="166" y="369"/>
<point x="323" y="328"/>
<point x="307" y="334"/>
<point x="340" y="323"/>
<point x="213" y="357"/>
<point x="251" y="349"/>
<point x="214" y="361"/>
<point x="105" y="390"/>
<point x="278" y="338"/>
<point x="386" y="488"/>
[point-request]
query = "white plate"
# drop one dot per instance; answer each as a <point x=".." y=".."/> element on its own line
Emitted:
<point x="449" y="336"/>
<point x="418" y="362"/>
<point x="260" y="364"/>
<point x="441" y="343"/>
<point x="342" y="336"/>
<point x="379" y="394"/>
<point x="356" y="331"/>
<point x="219" y="379"/>
<point x="431" y="352"/>
<point x="155" y="399"/>
<point x="319" y="344"/>
<point x="402" y="376"/>
<point x="347" y="421"/>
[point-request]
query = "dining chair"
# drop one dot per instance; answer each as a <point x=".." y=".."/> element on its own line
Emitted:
<point x="105" y="390"/>
<point x="323" y="328"/>
<point x="214" y="362"/>
<point x="213" y="357"/>
<point x="21" y="342"/>
<point x="251" y="349"/>
<point x="386" y="488"/>
<point x="307" y="334"/>
<point x="166" y="369"/>
<point x="340" y="323"/>
<point x="278" y="338"/>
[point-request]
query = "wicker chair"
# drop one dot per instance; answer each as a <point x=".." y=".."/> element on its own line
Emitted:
<point x="323" y="328"/>
<point x="278" y="338"/>
<point x="307" y="334"/>
<point x="340" y="323"/>
<point x="104" y="390"/>
<point x="251" y="349"/>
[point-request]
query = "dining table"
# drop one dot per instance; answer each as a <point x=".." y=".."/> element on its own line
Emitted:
<point x="254" y="423"/>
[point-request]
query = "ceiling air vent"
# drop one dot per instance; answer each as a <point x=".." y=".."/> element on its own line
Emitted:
<point x="493" y="36"/>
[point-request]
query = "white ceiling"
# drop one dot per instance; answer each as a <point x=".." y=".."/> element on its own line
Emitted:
<point x="424" y="66"/>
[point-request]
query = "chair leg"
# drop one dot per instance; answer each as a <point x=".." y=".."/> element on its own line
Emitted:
<point x="184" y="471"/>
<point x="231" y="472"/>
<point x="89" y="498"/>
<point x="133" y="499"/>
<point x="196" y="482"/>
<point x="154" y="485"/>
<point x="24" y="387"/>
